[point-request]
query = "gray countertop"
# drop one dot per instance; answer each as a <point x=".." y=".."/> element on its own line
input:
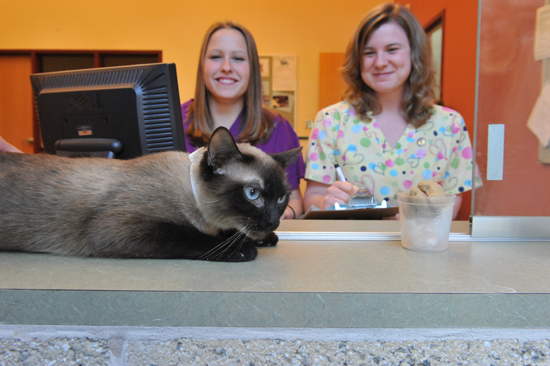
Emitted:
<point x="297" y="283"/>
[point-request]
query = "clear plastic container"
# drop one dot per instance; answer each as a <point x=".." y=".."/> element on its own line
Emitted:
<point x="425" y="222"/>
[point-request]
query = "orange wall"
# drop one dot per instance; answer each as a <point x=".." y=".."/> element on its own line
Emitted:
<point x="459" y="59"/>
<point x="304" y="28"/>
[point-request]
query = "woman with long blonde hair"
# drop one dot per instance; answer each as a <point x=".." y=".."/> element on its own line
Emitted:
<point x="228" y="93"/>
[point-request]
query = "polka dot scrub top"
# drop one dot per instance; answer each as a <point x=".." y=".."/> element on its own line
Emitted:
<point x="440" y="150"/>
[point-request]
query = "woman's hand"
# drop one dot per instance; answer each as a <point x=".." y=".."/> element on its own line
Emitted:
<point x="5" y="147"/>
<point x="339" y="192"/>
<point x="324" y="196"/>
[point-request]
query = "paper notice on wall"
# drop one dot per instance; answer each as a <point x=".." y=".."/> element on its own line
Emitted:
<point x="282" y="101"/>
<point x="539" y="120"/>
<point x="284" y="73"/>
<point x="542" y="33"/>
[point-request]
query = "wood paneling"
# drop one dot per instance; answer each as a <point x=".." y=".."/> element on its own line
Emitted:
<point x="16" y="106"/>
<point x="331" y="84"/>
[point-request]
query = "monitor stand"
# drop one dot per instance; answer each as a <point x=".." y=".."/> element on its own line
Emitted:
<point x="87" y="147"/>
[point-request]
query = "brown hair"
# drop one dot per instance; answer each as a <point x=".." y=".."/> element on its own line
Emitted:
<point x="418" y="96"/>
<point x="259" y="120"/>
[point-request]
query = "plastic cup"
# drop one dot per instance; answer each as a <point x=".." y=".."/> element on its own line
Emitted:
<point x="425" y="222"/>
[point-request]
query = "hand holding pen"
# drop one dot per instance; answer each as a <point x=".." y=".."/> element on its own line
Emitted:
<point x="340" y="191"/>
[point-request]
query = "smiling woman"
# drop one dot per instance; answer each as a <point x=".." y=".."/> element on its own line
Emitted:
<point x="228" y="94"/>
<point x="387" y="135"/>
<point x="387" y="60"/>
<point x="226" y="75"/>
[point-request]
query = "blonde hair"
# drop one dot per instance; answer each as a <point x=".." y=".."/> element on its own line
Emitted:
<point x="418" y="96"/>
<point x="258" y="120"/>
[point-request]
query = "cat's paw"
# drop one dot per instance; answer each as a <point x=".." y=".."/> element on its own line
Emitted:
<point x="269" y="241"/>
<point x="244" y="253"/>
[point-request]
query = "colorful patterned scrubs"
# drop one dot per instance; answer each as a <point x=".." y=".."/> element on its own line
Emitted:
<point x="440" y="150"/>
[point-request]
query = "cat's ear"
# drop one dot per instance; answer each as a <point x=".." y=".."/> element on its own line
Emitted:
<point x="286" y="158"/>
<point x="221" y="149"/>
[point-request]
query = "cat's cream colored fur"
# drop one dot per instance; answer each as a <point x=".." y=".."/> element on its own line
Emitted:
<point x="144" y="207"/>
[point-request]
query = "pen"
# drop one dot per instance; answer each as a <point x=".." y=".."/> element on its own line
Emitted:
<point x="340" y="173"/>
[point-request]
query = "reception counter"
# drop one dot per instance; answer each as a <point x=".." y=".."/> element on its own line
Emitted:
<point x="322" y="274"/>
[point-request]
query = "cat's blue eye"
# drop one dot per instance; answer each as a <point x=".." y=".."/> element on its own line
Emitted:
<point x="281" y="199"/>
<point x="252" y="193"/>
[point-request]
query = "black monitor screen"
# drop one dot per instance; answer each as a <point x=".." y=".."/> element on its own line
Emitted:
<point x="121" y="112"/>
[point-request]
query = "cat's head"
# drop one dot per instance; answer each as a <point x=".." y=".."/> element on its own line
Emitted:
<point x="238" y="186"/>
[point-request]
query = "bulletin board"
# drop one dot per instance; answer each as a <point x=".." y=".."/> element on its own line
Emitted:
<point x="279" y="85"/>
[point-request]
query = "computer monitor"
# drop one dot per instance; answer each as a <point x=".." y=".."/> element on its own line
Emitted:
<point x="117" y="112"/>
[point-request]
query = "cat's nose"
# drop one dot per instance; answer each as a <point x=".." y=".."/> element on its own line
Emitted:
<point x="273" y="225"/>
<point x="272" y="221"/>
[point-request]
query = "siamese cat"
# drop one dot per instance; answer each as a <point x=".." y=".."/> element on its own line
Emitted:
<point x="216" y="204"/>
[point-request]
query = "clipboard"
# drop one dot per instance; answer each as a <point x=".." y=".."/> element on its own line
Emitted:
<point x="370" y="213"/>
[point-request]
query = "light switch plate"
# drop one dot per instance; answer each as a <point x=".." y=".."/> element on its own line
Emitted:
<point x="495" y="152"/>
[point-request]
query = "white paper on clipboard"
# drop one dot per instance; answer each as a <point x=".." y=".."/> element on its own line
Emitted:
<point x="284" y="73"/>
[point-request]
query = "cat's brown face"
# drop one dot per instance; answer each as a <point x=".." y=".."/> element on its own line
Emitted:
<point x="240" y="187"/>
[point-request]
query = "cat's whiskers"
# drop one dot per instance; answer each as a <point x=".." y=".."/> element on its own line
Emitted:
<point x="218" y="251"/>
<point x="283" y="230"/>
<point x="237" y="236"/>
<point x="246" y="230"/>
